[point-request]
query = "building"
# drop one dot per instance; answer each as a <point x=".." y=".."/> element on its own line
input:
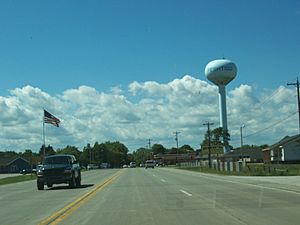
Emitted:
<point x="171" y="159"/>
<point x="13" y="164"/>
<point x="250" y="155"/>
<point x="287" y="150"/>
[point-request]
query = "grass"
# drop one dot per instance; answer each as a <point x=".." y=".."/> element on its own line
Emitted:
<point x="212" y="171"/>
<point x="21" y="178"/>
<point x="16" y="179"/>
<point x="254" y="170"/>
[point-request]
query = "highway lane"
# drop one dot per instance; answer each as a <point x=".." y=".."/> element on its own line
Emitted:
<point x="22" y="203"/>
<point x="157" y="196"/>
<point x="169" y="196"/>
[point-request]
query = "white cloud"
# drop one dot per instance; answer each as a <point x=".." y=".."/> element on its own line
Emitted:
<point x="150" y="110"/>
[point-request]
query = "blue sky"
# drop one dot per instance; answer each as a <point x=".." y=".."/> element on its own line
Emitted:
<point x="56" y="45"/>
<point x="61" y="45"/>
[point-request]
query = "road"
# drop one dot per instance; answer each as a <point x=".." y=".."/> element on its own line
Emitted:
<point x="155" y="196"/>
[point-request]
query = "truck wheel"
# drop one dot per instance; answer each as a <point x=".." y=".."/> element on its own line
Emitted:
<point x="72" y="182"/>
<point x="78" y="180"/>
<point x="40" y="185"/>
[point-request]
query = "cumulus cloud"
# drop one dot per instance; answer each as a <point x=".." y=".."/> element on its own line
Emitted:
<point x="149" y="110"/>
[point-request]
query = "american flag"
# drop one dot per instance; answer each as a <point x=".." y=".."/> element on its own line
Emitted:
<point x="49" y="118"/>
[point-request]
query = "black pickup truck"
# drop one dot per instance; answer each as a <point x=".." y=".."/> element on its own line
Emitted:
<point x="58" y="169"/>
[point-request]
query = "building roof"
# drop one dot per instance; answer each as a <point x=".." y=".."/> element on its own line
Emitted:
<point x="284" y="141"/>
<point x="9" y="160"/>
<point x="255" y="153"/>
<point x="174" y="156"/>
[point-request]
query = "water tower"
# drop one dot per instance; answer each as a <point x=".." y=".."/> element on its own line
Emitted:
<point x="221" y="72"/>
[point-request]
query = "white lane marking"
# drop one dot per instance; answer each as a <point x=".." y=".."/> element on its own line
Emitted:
<point x="237" y="182"/>
<point x="260" y="199"/>
<point x="188" y="194"/>
<point x="214" y="199"/>
<point x="162" y="180"/>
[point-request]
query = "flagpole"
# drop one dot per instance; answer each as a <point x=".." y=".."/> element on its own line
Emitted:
<point x="44" y="144"/>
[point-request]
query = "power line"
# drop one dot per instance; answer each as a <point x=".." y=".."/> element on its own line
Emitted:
<point x="269" y="98"/>
<point x="271" y="126"/>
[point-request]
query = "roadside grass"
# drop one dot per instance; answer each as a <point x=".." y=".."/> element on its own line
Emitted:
<point x="16" y="179"/>
<point x="21" y="178"/>
<point x="254" y="170"/>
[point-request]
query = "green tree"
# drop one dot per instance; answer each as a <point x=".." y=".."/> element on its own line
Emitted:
<point x="8" y="154"/>
<point x="85" y="155"/>
<point x="217" y="143"/>
<point x="253" y="147"/>
<point x="158" y="148"/>
<point x="117" y="153"/>
<point x="114" y="153"/>
<point x="141" y="155"/>
<point x="48" y="150"/>
<point x="130" y="158"/>
<point x="186" y="149"/>
<point x="72" y="150"/>
<point x="100" y="153"/>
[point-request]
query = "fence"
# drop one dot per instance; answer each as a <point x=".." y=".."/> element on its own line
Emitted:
<point x="220" y="166"/>
<point x="246" y="168"/>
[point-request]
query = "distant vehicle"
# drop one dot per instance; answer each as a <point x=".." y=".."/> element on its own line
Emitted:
<point x="92" y="166"/>
<point x="125" y="166"/>
<point x="27" y="171"/>
<point x="142" y="165"/>
<point x="149" y="164"/>
<point x="58" y="169"/>
<point x="132" y="165"/>
<point x="104" y="165"/>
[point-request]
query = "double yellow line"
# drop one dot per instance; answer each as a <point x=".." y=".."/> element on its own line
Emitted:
<point x="63" y="213"/>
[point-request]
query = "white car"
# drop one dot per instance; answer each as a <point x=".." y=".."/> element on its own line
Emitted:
<point x="150" y="163"/>
<point x="132" y="165"/>
<point x="92" y="166"/>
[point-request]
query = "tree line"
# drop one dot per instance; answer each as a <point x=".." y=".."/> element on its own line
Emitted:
<point x="115" y="154"/>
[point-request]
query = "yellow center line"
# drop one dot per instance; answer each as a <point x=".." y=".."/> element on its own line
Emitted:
<point x="63" y="213"/>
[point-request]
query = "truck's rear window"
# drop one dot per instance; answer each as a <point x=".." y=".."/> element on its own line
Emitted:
<point x="57" y="160"/>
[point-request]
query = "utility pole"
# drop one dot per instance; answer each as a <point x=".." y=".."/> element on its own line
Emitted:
<point x="90" y="155"/>
<point x="176" y="139"/>
<point x="149" y="143"/>
<point x="209" y="142"/>
<point x="297" y="85"/>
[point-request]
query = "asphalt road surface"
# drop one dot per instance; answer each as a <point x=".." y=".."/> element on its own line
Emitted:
<point x="154" y="196"/>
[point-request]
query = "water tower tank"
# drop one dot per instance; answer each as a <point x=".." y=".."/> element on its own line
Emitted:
<point x="220" y="71"/>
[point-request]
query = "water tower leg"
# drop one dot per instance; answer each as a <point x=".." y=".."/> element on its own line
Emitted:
<point x="223" y="112"/>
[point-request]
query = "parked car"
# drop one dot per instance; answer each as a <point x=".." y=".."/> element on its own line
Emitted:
<point x="27" y="171"/>
<point x="92" y="166"/>
<point x="58" y="169"/>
